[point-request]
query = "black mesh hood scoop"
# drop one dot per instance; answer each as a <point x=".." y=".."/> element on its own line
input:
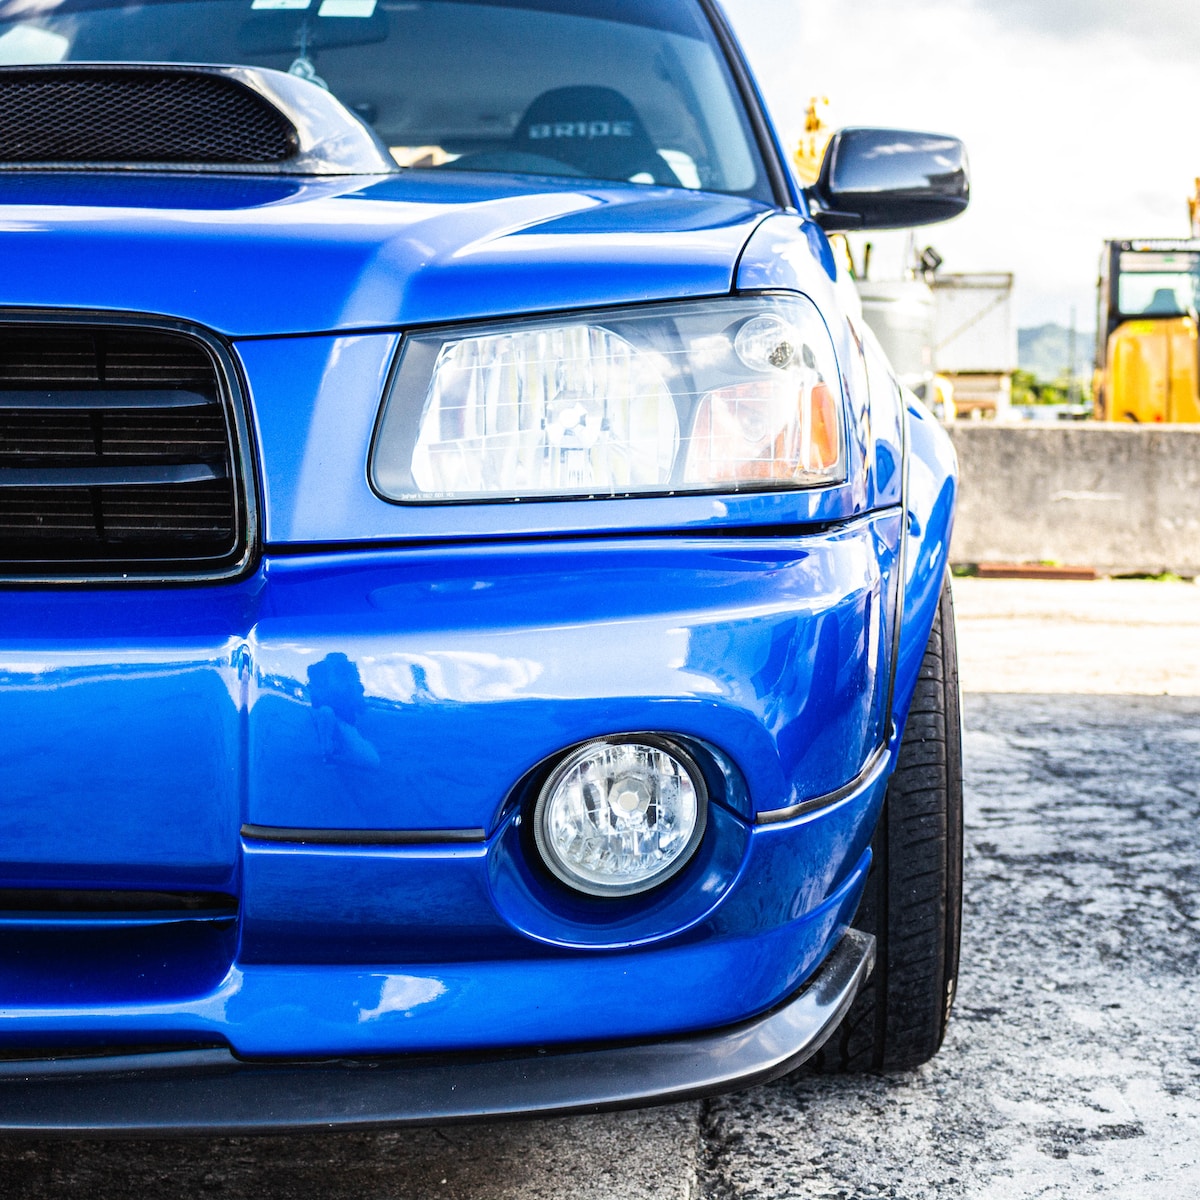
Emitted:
<point x="148" y="116"/>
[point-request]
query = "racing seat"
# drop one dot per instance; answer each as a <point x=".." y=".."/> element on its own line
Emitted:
<point x="595" y="130"/>
<point x="1163" y="303"/>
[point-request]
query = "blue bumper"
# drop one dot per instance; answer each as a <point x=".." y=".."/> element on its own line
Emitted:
<point x="322" y="771"/>
<point x="213" y="1091"/>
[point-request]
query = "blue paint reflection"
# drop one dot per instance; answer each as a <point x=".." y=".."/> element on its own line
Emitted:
<point x="448" y="676"/>
<point x="338" y="699"/>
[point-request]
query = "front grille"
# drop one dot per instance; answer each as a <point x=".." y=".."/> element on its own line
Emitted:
<point x="118" y="454"/>
<point x="118" y="114"/>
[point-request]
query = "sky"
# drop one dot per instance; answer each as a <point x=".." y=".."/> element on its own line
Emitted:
<point x="1079" y="118"/>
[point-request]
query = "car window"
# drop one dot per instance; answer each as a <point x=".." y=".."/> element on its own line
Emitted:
<point x="632" y="90"/>
<point x="1154" y="283"/>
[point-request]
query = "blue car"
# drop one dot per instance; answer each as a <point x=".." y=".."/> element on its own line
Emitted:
<point x="474" y="630"/>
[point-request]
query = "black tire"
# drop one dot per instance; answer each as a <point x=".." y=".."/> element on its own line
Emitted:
<point x="913" y="897"/>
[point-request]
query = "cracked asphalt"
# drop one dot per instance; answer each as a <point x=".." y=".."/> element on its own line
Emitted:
<point x="1072" y="1065"/>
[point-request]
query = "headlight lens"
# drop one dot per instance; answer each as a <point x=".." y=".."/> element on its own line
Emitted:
<point x="619" y="816"/>
<point x="720" y="395"/>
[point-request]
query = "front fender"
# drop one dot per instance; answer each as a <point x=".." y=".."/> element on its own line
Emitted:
<point x="931" y="487"/>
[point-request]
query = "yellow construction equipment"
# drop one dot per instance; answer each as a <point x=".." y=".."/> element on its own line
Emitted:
<point x="1146" y="343"/>
<point x="818" y="129"/>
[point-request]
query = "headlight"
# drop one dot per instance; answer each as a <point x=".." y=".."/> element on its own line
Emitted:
<point x="620" y="815"/>
<point x="718" y="395"/>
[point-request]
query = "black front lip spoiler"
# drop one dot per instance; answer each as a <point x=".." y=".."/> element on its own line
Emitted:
<point x="212" y="1092"/>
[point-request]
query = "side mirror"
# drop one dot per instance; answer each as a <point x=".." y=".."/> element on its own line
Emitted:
<point x="889" y="179"/>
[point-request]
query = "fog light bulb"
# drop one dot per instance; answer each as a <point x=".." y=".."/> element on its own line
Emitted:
<point x="620" y="815"/>
<point x="631" y="799"/>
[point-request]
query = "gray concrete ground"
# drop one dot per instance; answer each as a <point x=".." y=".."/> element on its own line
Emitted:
<point x="1114" y="636"/>
<point x="1072" y="1067"/>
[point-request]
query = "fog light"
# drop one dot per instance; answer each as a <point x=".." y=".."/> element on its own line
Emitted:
<point x="620" y="815"/>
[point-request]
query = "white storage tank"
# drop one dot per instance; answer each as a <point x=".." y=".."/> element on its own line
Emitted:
<point x="901" y="314"/>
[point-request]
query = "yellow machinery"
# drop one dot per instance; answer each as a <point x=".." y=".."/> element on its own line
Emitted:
<point x="1147" y="369"/>
<point x="811" y="150"/>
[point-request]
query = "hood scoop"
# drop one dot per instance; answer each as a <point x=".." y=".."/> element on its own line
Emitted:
<point x="152" y="117"/>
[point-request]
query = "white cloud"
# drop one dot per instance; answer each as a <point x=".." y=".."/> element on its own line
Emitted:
<point x="1073" y="131"/>
<point x="1171" y="28"/>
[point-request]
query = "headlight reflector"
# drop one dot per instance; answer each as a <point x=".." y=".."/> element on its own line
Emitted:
<point x="620" y="815"/>
<point x="552" y="410"/>
<point x="716" y="395"/>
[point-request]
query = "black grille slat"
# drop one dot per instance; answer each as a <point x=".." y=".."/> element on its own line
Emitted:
<point x="99" y="355"/>
<point x="120" y="476"/>
<point x="125" y="456"/>
<point x="32" y="438"/>
<point x="40" y="437"/>
<point x="61" y="360"/>
<point x="66" y="399"/>
<point x="165" y="433"/>
<point x="198" y="511"/>
<point x="94" y="114"/>
<point x="29" y="516"/>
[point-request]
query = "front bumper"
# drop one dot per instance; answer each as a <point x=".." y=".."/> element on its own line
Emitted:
<point x="211" y="1091"/>
<point x="307" y="750"/>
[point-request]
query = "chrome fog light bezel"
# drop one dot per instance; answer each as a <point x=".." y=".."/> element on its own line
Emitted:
<point x="589" y="885"/>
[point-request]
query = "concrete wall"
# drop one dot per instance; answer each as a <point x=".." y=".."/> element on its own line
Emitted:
<point x="1114" y="497"/>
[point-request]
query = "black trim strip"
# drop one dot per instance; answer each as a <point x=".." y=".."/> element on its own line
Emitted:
<point x="107" y="399"/>
<point x="361" y="837"/>
<point x="211" y="1091"/>
<point x="157" y="475"/>
<point x="50" y="924"/>
<point x="873" y="766"/>
<point x="109" y="901"/>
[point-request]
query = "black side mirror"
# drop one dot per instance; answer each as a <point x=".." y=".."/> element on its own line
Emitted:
<point x="889" y="179"/>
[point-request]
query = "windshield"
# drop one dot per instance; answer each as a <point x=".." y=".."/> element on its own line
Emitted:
<point x="634" y="90"/>
<point x="1158" y="283"/>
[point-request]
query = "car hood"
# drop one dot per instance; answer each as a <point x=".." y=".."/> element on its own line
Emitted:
<point x="254" y="257"/>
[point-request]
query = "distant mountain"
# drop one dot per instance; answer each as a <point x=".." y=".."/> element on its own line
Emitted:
<point x="1045" y="351"/>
